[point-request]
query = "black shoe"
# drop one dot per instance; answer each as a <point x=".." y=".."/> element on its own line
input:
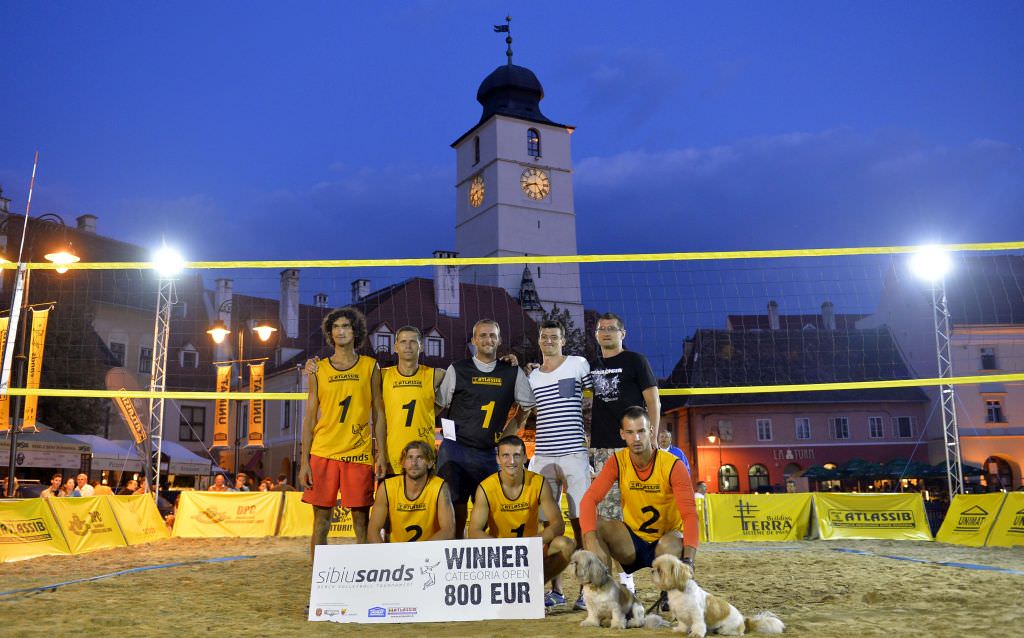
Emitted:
<point x="661" y="604"/>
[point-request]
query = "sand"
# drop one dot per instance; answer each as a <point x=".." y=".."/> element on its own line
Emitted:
<point x="817" y="590"/>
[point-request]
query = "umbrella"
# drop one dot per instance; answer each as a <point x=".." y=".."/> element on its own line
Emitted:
<point x="820" y="473"/>
<point x="859" y="468"/>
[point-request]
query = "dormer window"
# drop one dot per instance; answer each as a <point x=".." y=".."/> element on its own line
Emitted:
<point x="533" y="142"/>
<point x="433" y="344"/>
<point x="381" y="339"/>
<point x="188" y="357"/>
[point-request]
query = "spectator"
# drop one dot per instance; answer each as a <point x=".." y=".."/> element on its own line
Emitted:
<point x="70" y="488"/>
<point x="700" y="490"/>
<point x="54" y="490"/>
<point x="665" y="443"/>
<point x="84" y="489"/>
<point x="3" y="487"/>
<point x="266" y="485"/>
<point x="219" y="484"/>
<point x="129" y="488"/>
<point x="282" y="484"/>
<point x="242" y="482"/>
<point x="99" y="489"/>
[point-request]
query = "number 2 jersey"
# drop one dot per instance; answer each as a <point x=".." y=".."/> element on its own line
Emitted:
<point x="513" y="517"/>
<point x="342" y="431"/>
<point x="412" y="519"/>
<point x="409" y="408"/>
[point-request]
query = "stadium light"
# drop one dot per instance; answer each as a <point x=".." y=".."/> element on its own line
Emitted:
<point x="168" y="262"/>
<point x="930" y="263"/>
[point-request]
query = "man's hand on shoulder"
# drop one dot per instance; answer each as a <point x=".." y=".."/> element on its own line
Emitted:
<point x="510" y="359"/>
<point x="309" y="368"/>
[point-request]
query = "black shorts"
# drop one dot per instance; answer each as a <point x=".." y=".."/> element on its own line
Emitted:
<point x="463" y="468"/>
<point x="644" y="553"/>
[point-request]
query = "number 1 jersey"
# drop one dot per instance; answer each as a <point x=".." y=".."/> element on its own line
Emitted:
<point x="342" y="432"/>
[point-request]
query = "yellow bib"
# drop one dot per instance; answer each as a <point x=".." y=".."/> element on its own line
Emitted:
<point x="343" y="431"/>
<point x="416" y="519"/>
<point x="513" y="518"/>
<point x="409" y="408"/>
<point x="648" y="506"/>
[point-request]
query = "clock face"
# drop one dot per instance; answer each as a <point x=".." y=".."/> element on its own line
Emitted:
<point x="476" y="191"/>
<point x="535" y="183"/>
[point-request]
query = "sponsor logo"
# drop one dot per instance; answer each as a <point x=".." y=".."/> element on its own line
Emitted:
<point x="1017" y="527"/>
<point x="401" y="612"/>
<point x="348" y="376"/>
<point x="407" y="383"/>
<point x="872" y="519"/>
<point x="752" y="524"/>
<point x="31" y="530"/>
<point x="492" y="381"/>
<point x="210" y="515"/>
<point x="640" y="486"/>
<point x="93" y="524"/>
<point x="319" y="612"/>
<point x="514" y="507"/>
<point x="376" y="612"/>
<point x="335" y="576"/>
<point x="971" y="519"/>
<point x="412" y="507"/>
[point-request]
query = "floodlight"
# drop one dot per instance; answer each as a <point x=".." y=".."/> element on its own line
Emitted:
<point x="168" y="262"/>
<point x="930" y="263"/>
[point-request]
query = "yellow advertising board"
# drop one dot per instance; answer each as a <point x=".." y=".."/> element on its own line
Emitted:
<point x="88" y="523"/>
<point x="872" y="516"/>
<point x="564" y="506"/>
<point x="139" y="519"/>
<point x="1008" y="529"/>
<point x="970" y="518"/>
<point x="758" y="517"/>
<point x="227" y="514"/>
<point x="297" y="518"/>
<point x="702" y="518"/>
<point x="28" y="529"/>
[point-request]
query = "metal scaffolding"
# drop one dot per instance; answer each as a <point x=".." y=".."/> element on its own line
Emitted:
<point x="950" y="432"/>
<point x="166" y="297"/>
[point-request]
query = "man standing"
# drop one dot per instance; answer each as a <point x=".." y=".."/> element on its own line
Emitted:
<point x="561" y="446"/>
<point x="219" y="485"/>
<point x="665" y="443"/>
<point x="478" y="392"/>
<point x="282" y="484"/>
<point x="54" y="490"/>
<point x="657" y="500"/>
<point x="83" y="485"/>
<point x="509" y="502"/>
<point x="337" y="445"/>
<point x="409" y="391"/>
<point x="415" y="505"/>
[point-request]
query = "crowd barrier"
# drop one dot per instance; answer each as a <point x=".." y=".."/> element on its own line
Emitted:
<point x="991" y="520"/>
<point x="43" y="527"/>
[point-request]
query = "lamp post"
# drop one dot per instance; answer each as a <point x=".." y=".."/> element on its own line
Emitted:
<point x="218" y="332"/>
<point x="712" y="438"/>
<point x="14" y="353"/>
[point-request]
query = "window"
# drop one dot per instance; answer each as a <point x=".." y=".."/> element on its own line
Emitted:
<point x="476" y="150"/>
<point x="758" y="477"/>
<point x="286" y="415"/>
<point x="189" y="359"/>
<point x="118" y="350"/>
<point x="903" y="426"/>
<point x="803" y="429"/>
<point x="728" y="479"/>
<point x="988" y="359"/>
<point x="382" y="342"/>
<point x="192" y="426"/>
<point x="764" y="429"/>
<point x="145" y="360"/>
<point x="840" y="427"/>
<point x="435" y="347"/>
<point x="994" y="411"/>
<point x="875" y="427"/>
<point x="533" y="142"/>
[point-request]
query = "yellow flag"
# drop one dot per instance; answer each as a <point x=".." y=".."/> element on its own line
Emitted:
<point x="131" y="417"/>
<point x="37" y="340"/>
<point x="5" y="400"/>
<point x="256" y="405"/>
<point x="221" y="411"/>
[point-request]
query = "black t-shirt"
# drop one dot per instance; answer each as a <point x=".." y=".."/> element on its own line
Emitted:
<point x="619" y="383"/>
<point x="481" y="402"/>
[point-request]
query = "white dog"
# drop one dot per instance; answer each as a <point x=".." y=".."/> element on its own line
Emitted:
<point x="607" y="601"/>
<point x="697" y="611"/>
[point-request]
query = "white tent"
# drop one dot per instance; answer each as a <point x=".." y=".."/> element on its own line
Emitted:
<point x="121" y="455"/>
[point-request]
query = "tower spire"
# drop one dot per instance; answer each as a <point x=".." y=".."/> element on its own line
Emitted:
<point x="506" y="28"/>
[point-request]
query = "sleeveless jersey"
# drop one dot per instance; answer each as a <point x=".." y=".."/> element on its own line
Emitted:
<point x="481" y="402"/>
<point x="343" y="431"/>
<point x="648" y="506"/>
<point x="415" y="519"/>
<point x="409" y="408"/>
<point x="512" y="518"/>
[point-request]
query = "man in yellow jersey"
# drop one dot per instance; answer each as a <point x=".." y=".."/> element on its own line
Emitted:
<point x="337" y="442"/>
<point x="508" y="503"/>
<point x="657" y="500"/>
<point x="415" y="505"/>
<point x="408" y="391"/>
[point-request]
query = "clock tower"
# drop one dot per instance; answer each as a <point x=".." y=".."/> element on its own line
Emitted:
<point x="513" y="190"/>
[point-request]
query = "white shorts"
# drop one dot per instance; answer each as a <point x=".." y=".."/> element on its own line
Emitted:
<point x="575" y="471"/>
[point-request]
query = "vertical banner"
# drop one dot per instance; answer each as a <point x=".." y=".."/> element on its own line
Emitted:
<point x="37" y="340"/>
<point x="5" y="399"/>
<point x="131" y="418"/>
<point x="221" y="411"/>
<point x="256" y="405"/>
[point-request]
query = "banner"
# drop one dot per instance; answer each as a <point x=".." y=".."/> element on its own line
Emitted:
<point x="131" y="418"/>
<point x="297" y="518"/>
<point x="28" y="529"/>
<point x="1008" y="529"/>
<point x="758" y="517"/>
<point x="88" y="523"/>
<point x="702" y="518"/>
<point x="221" y="411"/>
<point x="256" y="405"/>
<point x="230" y="514"/>
<point x="872" y="516"/>
<point x="5" y="399"/>
<point x="431" y="581"/>
<point x="37" y="342"/>
<point x="970" y="518"/>
<point x="138" y="518"/>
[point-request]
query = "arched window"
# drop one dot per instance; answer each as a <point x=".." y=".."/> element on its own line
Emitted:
<point x="533" y="142"/>
<point x="728" y="479"/>
<point x="476" y="150"/>
<point x="790" y="470"/>
<point x="758" y="477"/>
<point x="998" y="475"/>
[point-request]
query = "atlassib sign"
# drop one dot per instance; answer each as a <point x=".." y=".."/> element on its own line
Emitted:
<point x="433" y="581"/>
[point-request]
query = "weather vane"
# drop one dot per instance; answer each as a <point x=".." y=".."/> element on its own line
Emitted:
<point x="506" y="28"/>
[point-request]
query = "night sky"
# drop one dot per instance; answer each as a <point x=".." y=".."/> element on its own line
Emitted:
<point x="252" y="130"/>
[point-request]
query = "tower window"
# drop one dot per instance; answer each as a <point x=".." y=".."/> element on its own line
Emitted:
<point x="476" y="150"/>
<point x="533" y="142"/>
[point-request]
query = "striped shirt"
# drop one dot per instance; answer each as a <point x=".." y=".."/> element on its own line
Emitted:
<point x="559" y="396"/>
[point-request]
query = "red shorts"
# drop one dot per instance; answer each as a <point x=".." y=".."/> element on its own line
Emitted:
<point x="353" y="480"/>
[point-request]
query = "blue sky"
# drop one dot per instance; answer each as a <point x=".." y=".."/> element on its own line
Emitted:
<point x="249" y="130"/>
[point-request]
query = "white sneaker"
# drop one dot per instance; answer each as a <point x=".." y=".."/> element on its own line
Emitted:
<point x="627" y="581"/>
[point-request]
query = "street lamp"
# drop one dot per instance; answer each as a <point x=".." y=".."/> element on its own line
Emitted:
<point x="16" y="330"/>
<point x="218" y="331"/>
<point x="712" y="438"/>
<point x="931" y="263"/>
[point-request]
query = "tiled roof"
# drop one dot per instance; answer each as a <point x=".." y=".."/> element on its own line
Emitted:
<point x="986" y="289"/>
